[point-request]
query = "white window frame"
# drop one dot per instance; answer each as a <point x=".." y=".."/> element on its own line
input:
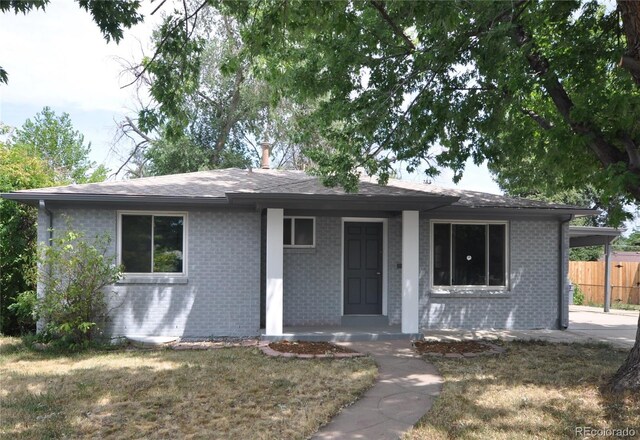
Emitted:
<point x="185" y="241"/>
<point x="507" y="255"/>
<point x="293" y="232"/>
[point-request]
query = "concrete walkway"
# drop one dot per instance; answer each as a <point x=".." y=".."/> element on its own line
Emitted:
<point x="405" y="389"/>
<point x="586" y="324"/>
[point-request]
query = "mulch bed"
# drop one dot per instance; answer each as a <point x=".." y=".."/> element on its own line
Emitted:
<point x="456" y="349"/>
<point x="307" y="350"/>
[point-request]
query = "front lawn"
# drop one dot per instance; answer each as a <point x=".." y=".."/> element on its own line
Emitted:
<point x="535" y="390"/>
<point x="224" y="393"/>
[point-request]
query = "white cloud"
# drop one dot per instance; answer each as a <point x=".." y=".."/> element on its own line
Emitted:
<point x="60" y="58"/>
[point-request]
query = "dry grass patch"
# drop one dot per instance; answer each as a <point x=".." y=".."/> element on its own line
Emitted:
<point x="225" y="393"/>
<point x="535" y="390"/>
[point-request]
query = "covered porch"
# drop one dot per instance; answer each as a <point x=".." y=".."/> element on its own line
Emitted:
<point x="351" y="320"/>
<point x="341" y="333"/>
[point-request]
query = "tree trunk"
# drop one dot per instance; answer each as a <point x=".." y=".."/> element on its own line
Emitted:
<point x="630" y="14"/>
<point x="628" y="375"/>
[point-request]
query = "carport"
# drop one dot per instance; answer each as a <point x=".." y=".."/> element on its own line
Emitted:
<point x="581" y="236"/>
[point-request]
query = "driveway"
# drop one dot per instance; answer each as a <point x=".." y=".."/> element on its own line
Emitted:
<point x="617" y="327"/>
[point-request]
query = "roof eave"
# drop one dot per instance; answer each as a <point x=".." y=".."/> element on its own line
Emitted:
<point x="524" y="210"/>
<point x="32" y="198"/>
<point x="342" y="201"/>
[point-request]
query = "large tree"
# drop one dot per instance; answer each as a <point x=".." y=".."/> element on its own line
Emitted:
<point x="531" y="87"/>
<point x="208" y="109"/>
<point x="53" y="139"/>
<point x="19" y="169"/>
<point x="546" y="92"/>
<point x="45" y="151"/>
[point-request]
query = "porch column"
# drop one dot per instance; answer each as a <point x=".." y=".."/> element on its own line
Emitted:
<point x="274" y="300"/>
<point x="410" y="271"/>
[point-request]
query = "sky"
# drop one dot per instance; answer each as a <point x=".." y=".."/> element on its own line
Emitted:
<point x="59" y="59"/>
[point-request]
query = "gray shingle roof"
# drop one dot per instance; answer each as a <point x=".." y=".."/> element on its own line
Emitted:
<point x="217" y="184"/>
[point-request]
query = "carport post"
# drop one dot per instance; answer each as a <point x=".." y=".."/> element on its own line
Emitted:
<point x="607" y="276"/>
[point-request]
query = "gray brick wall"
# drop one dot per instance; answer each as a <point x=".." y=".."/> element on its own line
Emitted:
<point x="312" y="284"/>
<point x="312" y="277"/>
<point x="394" y="302"/>
<point x="222" y="294"/>
<point x="532" y="301"/>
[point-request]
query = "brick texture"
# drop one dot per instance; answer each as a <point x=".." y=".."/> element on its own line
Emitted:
<point x="312" y="284"/>
<point x="532" y="300"/>
<point x="221" y="297"/>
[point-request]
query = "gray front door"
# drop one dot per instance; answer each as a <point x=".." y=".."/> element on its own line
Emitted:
<point x="362" y="268"/>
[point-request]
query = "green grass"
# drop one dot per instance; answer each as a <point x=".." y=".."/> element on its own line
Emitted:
<point x="224" y="393"/>
<point x="536" y="390"/>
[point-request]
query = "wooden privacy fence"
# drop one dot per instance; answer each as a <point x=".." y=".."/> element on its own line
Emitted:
<point x="625" y="281"/>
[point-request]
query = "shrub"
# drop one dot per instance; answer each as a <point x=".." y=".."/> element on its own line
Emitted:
<point x="73" y="275"/>
<point x="578" y="295"/>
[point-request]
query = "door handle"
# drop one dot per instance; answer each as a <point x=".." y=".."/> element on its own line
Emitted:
<point x="378" y="273"/>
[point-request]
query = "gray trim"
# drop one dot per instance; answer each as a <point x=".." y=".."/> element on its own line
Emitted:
<point x="580" y="236"/>
<point x="563" y="312"/>
<point x="437" y="205"/>
<point x="106" y="198"/>
<point x="341" y="201"/>
<point x="501" y="212"/>
<point x="471" y="295"/>
<point x="133" y="279"/>
<point x="341" y="213"/>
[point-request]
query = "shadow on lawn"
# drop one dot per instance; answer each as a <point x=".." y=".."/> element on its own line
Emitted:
<point x="224" y="393"/>
<point x="536" y="389"/>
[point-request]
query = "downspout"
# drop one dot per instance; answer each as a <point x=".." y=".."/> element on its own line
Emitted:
<point x="39" y="289"/>
<point x="50" y="216"/>
<point x="562" y="276"/>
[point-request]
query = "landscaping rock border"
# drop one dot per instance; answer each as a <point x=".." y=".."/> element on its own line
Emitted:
<point x="264" y="347"/>
<point x="214" y="344"/>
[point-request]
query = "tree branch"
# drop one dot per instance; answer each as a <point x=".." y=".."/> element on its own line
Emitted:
<point x="630" y="13"/>
<point x="124" y="128"/>
<point x="160" y="45"/>
<point x="542" y="122"/>
<point x="135" y="128"/>
<point x="632" y="151"/>
<point x="631" y="64"/>
<point x="231" y="113"/>
<point x="606" y="152"/>
<point x="380" y="6"/>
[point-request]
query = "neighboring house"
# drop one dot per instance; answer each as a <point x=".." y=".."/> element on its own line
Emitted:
<point x="228" y="252"/>
<point x="624" y="256"/>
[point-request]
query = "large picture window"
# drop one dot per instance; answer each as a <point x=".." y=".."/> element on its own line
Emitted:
<point x="152" y="243"/>
<point x="469" y="254"/>
<point x="299" y="231"/>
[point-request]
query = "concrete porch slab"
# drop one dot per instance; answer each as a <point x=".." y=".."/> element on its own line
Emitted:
<point x="341" y="334"/>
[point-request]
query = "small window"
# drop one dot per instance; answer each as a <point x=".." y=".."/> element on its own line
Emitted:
<point x="469" y="255"/>
<point x="299" y="231"/>
<point x="152" y="243"/>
